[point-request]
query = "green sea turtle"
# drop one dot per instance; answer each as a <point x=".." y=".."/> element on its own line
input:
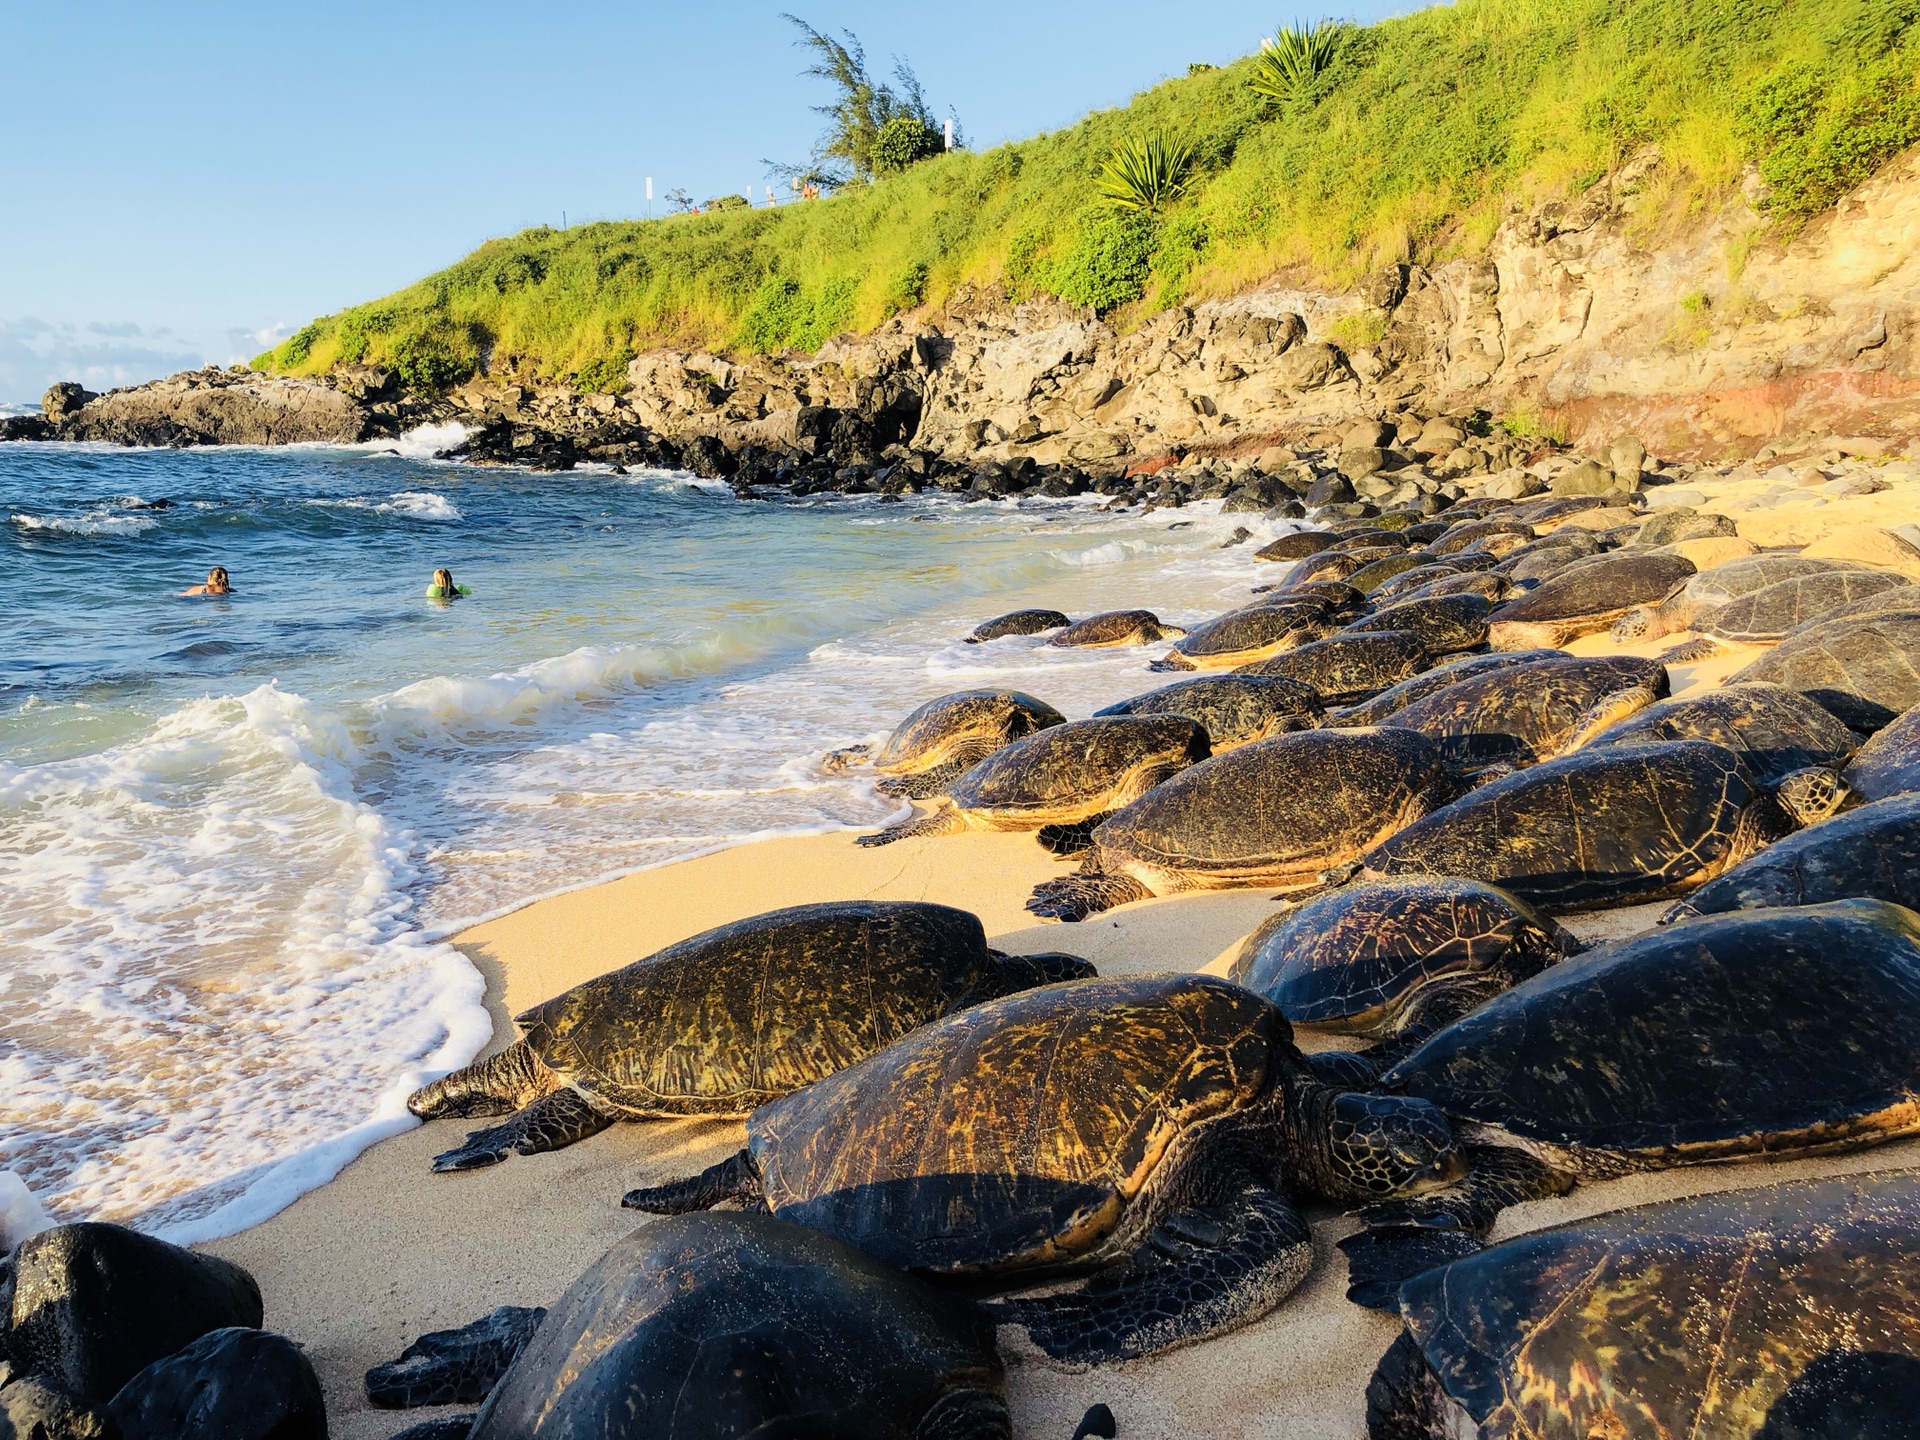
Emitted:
<point x="1710" y="589"/>
<point x="1063" y="776"/>
<point x="1452" y="672"/>
<point x="1018" y="622"/>
<point x="1115" y="627"/>
<point x="1348" y="667"/>
<point x="1617" y="825"/>
<point x="1771" y="613"/>
<point x="1397" y="956"/>
<point x="1494" y="588"/>
<point x="1251" y="633"/>
<point x="1414" y="579"/>
<point x="1865" y="671"/>
<point x="1295" y="545"/>
<point x="727" y="1020"/>
<point x="1444" y="625"/>
<point x="1338" y="597"/>
<point x="1889" y="763"/>
<point x="1899" y="600"/>
<point x="1788" y="1312"/>
<point x="1234" y="710"/>
<point x="1277" y="812"/>
<point x="1586" y="598"/>
<point x="1530" y="713"/>
<point x="742" y="1325"/>
<point x="945" y="737"/>
<point x="1870" y="853"/>
<point x="1775" y="731"/>
<point x="1156" y="1127"/>
<point x="1368" y="537"/>
<point x="1370" y="577"/>
<point x="1751" y="1035"/>
<point x="1474" y="532"/>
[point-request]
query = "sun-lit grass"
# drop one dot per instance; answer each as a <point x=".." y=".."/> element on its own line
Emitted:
<point x="1411" y="143"/>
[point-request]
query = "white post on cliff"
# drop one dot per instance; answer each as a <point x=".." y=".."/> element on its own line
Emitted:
<point x="949" y="132"/>
<point x="649" y="197"/>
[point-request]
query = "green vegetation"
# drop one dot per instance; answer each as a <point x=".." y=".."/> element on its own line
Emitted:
<point x="1146" y="173"/>
<point x="1411" y="143"/>
<point x="873" y="129"/>
<point x="1288" y="64"/>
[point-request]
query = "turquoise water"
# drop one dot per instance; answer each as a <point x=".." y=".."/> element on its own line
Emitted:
<point x="233" y="832"/>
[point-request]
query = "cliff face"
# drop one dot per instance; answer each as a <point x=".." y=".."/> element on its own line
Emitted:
<point x="1710" y="342"/>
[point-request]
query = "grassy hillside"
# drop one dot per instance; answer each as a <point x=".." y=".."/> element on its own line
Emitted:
<point x="1409" y="145"/>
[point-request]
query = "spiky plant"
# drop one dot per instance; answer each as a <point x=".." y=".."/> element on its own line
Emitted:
<point x="1146" y="173"/>
<point x="1289" y="62"/>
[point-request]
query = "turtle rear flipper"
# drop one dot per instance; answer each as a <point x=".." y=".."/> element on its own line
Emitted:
<point x="966" y="1415"/>
<point x="1609" y="711"/>
<point x="1172" y="660"/>
<point x="734" y="1178"/>
<point x="1074" y="897"/>
<point x="498" y="1085"/>
<point x="550" y="1123"/>
<point x="1025" y="972"/>
<point x="454" y="1367"/>
<point x="1201" y="1273"/>
<point x="1069" y="840"/>
<point x="947" y="820"/>
<point x="1689" y="652"/>
<point x="835" y="761"/>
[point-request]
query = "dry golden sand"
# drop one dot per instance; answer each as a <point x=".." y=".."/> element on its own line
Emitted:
<point x="358" y="1268"/>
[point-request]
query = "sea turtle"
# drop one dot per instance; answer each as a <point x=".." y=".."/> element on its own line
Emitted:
<point x="1336" y="596"/>
<point x="943" y="738"/>
<point x="1295" y="545"/>
<point x="1444" y="625"/>
<point x="1865" y="671"/>
<point x="1586" y="598"/>
<point x="1252" y="633"/>
<point x="1348" y="667"/>
<point x="1115" y="627"/>
<point x="1452" y="672"/>
<point x="1899" y="600"/>
<point x="1368" y="537"/>
<point x="1018" y="622"/>
<point x="1063" y="776"/>
<point x="1473" y="532"/>
<point x="1889" y="763"/>
<point x="727" y="1020"/>
<point x="1619" y="825"/>
<point x="1370" y="577"/>
<point x="1494" y="588"/>
<point x="1397" y="956"/>
<point x="1156" y="1125"/>
<point x="1770" y="614"/>
<point x="1417" y="578"/>
<point x="1788" y="1312"/>
<point x="1871" y="853"/>
<point x="1530" y="713"/>
<point x="1710" y="589"/>
<point x="1749" y="1035"/>
<point x="1775" y="731"/>
<point x="735" y="1325"/>
<point x="1234" y="710"/>
<point x="1277" y="812"/>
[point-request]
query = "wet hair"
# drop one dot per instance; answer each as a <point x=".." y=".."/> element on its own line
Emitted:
<point x="443" y="582"/>
<point x="218" y="576"/>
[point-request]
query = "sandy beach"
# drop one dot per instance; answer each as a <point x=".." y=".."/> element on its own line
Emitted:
<point x="357" y="1269"/>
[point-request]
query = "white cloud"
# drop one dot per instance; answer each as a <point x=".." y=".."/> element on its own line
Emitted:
<point x="35" y="353"/>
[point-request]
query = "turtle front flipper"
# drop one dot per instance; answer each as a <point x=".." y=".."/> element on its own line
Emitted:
<point x="1172" y="660"/>
<point x="1069" y="840"/>
<point x="966" y="1415"/>
<point x="498" y="1085"/>
<point x="454" y="1367"/>
<point x="924" y="784"/>
<point x="551" y="1123"/>
<point x="1407" y="1236"/>
<point x="947" y="820"/>
<point x="734" y="1178"/>
<point x="1024" y="972"/>
<point x="1609" y="711"/>
<point x="1074" y="897"/>
<point x="1201" y="1273"/>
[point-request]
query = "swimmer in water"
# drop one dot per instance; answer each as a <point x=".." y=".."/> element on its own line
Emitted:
<point x="217" y="583"/>
<point x="443" y="587"/>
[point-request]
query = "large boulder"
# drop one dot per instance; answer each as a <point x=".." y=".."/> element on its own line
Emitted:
<point x="95" y="1304"/>
<point x="64" y="398"/>
<point x="233" y="1384"/>
<point x="32" y="1409"/>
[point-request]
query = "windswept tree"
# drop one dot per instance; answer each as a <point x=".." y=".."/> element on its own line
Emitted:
<point x="873" y="128"/>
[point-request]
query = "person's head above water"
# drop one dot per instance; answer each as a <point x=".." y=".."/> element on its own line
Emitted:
<point x="217" y="583"/>
<point x="443" y="587"/>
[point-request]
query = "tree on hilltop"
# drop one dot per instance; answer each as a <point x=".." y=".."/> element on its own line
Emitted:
<point x="873" y="128"/>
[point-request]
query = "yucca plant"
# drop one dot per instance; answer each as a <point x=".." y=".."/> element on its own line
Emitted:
<point x="1289" y="62"/>
<point x="1146" y="173"/>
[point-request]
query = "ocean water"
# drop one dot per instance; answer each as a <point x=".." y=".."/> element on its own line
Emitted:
<point x="234" y="833"/>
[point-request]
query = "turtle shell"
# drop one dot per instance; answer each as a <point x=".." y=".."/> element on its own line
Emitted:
<point x="1076" y="770"/>
<point x="1615" y="826"/>
<point x="1775" y="731"/>
<point x="1297" y="545"/>
<point x="1274" y="812"/>
<point x="1398" y="697"/>
<point x="1017" y="622"/>
<point x="698" y="1326"/>
<point x="1338" y="564"/>
<point x="1373" y="959"/>
<point x="1589" y="597"/>
<point x="1472" y="532"/>
<point x="1751" y="1033"/>
<point x="1527" y="714"/>
<point x="1111" y="627"/>
<point x="1772" y="611"/>
<point x="731" y="1018"/>
<point x="1015" y="1134"/>
<point x="1367" y="538"/>
<point x="1494" y="587"/>
<point x="1708" y="1316"/>
<point x="1414" y="579"/>
<point x="1723" y="584"/>
<point x="1865" y="671"/>
<point x="1372" y="576"/>
<point x="1899" y="600"/>
<point x="1255" y="631"/>
<point x="966" y="726"/>
<point x="1233" y="709"/>
<point x="1889" y="763"/>
<point x="1444" y="624"/>
<point x="1872" y="853"/>
<point x="1338" y="597"/>
<point x="1348" y="667"/>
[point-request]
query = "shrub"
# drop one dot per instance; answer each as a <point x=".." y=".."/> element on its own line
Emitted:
<point x="1184" y="240"/>
<point x="434" y="357"/>
<point x="785" y="317"/>
<point x="727" y="202"/>
<point x="298" y="346"/>
<point x="1819" y="133"/>
<point x="606" y="374"/>
<point x="909" y="288"/>
<point x="1146" y="173"/>
<point x="1357" y="331"/>
<point x="903" y="142"/>
<point x="1289" y="63"/>
<point x="1109" y="262"/>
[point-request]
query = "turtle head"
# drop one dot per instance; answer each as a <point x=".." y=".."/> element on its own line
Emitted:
<point x="1812" y="794"/>
<point x="1636" y="624"/>
<point x="1374" y="1146"/>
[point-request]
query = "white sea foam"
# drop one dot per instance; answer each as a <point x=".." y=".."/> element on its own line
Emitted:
<point x="21" y="1214"/>
<point x="424" y="504"/>
<point x="94" y="522"/>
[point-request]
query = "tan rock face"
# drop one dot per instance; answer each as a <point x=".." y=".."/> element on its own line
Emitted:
<point x="214" y="407"/>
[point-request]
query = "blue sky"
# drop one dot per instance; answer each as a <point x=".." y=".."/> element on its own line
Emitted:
<point x="188" y="183"/>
